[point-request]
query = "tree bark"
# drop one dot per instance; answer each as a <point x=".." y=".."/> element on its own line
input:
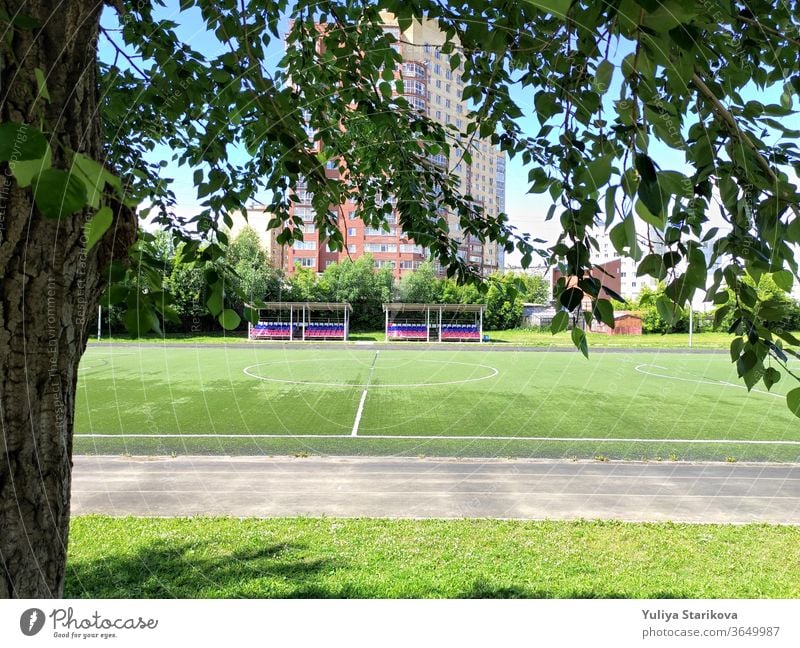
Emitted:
<point x="50" y="287"/>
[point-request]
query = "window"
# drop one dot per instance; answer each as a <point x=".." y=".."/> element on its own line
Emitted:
<point x="306" y="262"/>
<point x="309" y="229"/>
<point x="352" y="248"/>
<point x="447" y="87"/>
<point x="438" y="114"/>
<point x="438" y="83"/>
<point x="437" y="54"/>
<point x="415" y="87"/>
<point x="332" y="165"/>
<point x="459" y="123"/>
<point x="305" y="245"/>
<point x="446" y="103"/>
<point x="376" y="231"/>
<point x="379" y="247"/>
<point x="448" y="74"/>
<point x="459" y="108"/>
<point x="409" y="265"/>
<point x="437" y="69"/>
<point x="438" y="99"/>
<point x="416" y="102"/>
<point x="351" y="231"/>
<point x="384" y="263"/>
<point x="411" y="249"/>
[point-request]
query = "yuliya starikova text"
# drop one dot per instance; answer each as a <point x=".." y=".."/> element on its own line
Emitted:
<point x="666" y="616"/>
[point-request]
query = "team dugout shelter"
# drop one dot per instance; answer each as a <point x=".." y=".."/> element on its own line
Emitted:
<point x="301" y="321"/>
<point x="434" y="322"/>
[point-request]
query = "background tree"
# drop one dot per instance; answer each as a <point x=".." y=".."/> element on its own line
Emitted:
<point x="361" y="285"/>
<point x="252" y="278"/>
<point x="421" y="286"/>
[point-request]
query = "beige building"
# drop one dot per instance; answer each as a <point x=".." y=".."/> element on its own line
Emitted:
<point x="430" y="86"/>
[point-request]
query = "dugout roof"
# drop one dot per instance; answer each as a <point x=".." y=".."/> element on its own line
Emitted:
<point x="399" y="307"/>
<point x="312" y="306"/>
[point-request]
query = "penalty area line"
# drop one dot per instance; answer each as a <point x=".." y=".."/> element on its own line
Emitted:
<point x="363" y="400"/>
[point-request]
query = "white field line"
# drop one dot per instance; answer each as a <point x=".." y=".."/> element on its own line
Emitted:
<point x="432" y="438"/>
<point x="718" y="383"/>
<point x="360" y="410"/>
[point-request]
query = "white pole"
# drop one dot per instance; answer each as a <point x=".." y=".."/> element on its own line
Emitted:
<point x="99" y="320"/>
<point x="428" y="324"/>
<point x="440" y="323"/>
<point x="386" y="327"/>
<point x="481" y="325"/>
<point x="691" y="322"/>
<point x="291" y="313"/>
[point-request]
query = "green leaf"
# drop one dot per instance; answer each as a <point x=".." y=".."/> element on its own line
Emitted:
<point x="746" y="362"/>
<point x="58" y="193"/>
<point x="610" y="204"/>
<point x="137" y="320"/>
<point x="579" y="340"/>
<point x="41" y="83"/>
<point x="604" y="311"/>
<point x="596" y="173"/>
<point x="652" y="265"/>
<point x="229" y="319"/>
<point x="560" y="322"/>
<point x="657" y="221"/>
<point x="97" y="226"/>
<point x="602" y="77"/>
<point x="783" y="279"/>
<point x="24" y="171"/>
<point x="214" y="302"/>
<point x="668" y="310"/>
<point x="793" y="401"/>
<point x="19" y="142"/>
<point x="95" y="176"/>
<point x="558" y="8"/>
<point x="736" y="348"/>
<point x="771" y="376"/>
<point x="571" y="298"/>
<point x="649" y="191"/>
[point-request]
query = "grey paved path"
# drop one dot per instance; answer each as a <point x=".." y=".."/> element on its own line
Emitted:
<point x="437" y="488"/>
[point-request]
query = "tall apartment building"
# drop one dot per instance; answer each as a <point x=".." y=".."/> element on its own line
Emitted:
<point x="430" y="86"/>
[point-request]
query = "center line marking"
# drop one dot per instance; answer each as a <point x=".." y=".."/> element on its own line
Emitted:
<point x="364" y="397"/>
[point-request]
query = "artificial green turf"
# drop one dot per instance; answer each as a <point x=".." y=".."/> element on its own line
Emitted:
<point x="416" y="394"/>
<point x="520" y="336"/>
<point x="312" y="557"/>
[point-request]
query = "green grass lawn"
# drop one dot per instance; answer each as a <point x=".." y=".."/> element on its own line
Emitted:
<point x="312" y="557"/>
<point x="431" y="400"/>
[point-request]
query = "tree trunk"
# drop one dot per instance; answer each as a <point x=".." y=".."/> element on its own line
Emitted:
<point x="49" y="289"/>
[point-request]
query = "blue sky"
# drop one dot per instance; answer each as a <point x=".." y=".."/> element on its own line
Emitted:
<point x="526" y="211"/>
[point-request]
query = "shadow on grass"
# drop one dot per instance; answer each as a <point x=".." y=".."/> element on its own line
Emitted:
<point x="483" y="590"/>
<point x="186" y="571"/>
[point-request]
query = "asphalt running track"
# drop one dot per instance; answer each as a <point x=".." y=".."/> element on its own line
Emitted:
<point x="436" y="488"/>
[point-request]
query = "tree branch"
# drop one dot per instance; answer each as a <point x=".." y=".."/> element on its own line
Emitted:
<point x="768" y="30"/>
<point x="730" y="122"/>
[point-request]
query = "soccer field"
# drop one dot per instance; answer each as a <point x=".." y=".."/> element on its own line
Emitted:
<point x="485" y="402"/>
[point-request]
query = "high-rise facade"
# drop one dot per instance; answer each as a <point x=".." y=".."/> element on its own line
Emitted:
<point x="432" y="87"/>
